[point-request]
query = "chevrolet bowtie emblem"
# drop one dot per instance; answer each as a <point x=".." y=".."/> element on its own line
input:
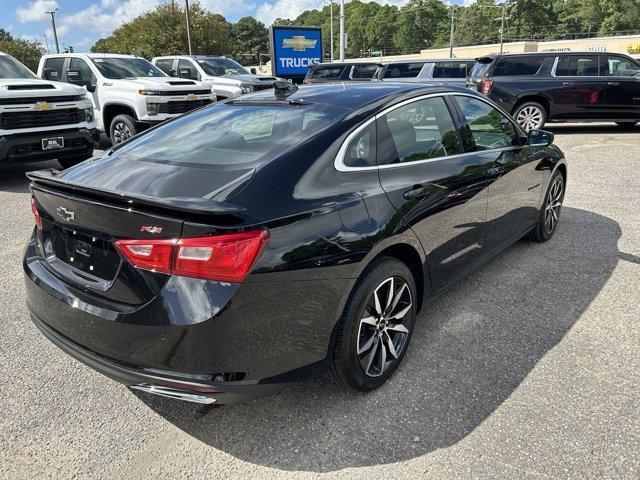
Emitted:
<point x="192" y="97"/>
<point x="42" y="106"/>
<point x="299" y="43"/>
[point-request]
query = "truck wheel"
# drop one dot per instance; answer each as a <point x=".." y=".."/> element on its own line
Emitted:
<point x="123" y="127"/>
<point x="67" y="162"/>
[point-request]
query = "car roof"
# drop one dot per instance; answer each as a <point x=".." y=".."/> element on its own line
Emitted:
<point x="494" y="56"/>
<point x="344" y="64"/>
<point x="429" y="60"/>
<point x="352" y="95"/>
<point x="90" y="55"/>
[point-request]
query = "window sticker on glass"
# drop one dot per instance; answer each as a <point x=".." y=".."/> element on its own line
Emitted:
<point x="255" y="125"/>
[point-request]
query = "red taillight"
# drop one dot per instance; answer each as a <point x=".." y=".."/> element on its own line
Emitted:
<point x="226" y="257"/>
<point x="36" y="213"/>
<point x="486" y="85"/>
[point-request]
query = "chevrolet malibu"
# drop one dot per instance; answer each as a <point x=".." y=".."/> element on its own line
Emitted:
<point x="245" y="245"/>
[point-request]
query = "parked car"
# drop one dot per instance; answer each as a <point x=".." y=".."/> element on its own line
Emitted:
<point x="228" y="78"/>
<point x="42" y="120"/>
<point x="451" y="71"/>
<point x="240" y="247"/>
<point x="537" y="88"/>
<point x="342" y="72"/>
<point x="129" y="94"/>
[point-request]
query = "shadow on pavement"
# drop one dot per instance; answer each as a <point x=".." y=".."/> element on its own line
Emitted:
<point x="473" y="346"/>
<point x="13" y="178"/>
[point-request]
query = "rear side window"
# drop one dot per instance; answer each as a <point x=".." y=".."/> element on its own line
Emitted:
<point x="363" y="71"/>
<point x="53" y="69"/>
<point x="82" y="68"/>
<point x="514" y="66"/>
<point x="403" y="70"/>
<point x="183" y="66"/>
<point x="166" y="66"/>
<point x="622" y="67"/>
<point x="420" y="130"/>
<point x="489" y="127"/>
<point x="577" y="66"/>
<point x="361" y="151"/>
<point x="230" y="135"/>
<point x="450" y="70"/>
<point x="326" y="72"/>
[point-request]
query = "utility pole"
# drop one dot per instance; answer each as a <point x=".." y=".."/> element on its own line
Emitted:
<point x="46" y="42"/>
<point x="53" y="27"/>
<point x="331" y="13"/>
<point x="186" y="11"/>
<point x="342" y="42"/>
<point x="453" y="30"/>
<point x="504" y="9"/>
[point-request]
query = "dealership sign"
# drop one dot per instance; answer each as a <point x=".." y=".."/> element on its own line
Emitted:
<point x="294" y="50"/>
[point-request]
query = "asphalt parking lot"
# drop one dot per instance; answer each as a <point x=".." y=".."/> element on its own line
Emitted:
<point x="528" y="368"/>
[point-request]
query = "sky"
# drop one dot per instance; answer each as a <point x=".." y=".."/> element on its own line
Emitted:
<point x="80" y="23"/>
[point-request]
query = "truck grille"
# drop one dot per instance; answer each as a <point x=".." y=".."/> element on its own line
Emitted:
<point x="173" y="93"/>
<point x="33" y="100"/>
<point x="182" y="106"/>
<point x="66" y="116"/>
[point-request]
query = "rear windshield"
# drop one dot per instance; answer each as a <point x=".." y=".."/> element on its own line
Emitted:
<point x="326" y="72"/>
<point x="231" y="134"/>
<point x="403" y="70"/>
<point x="514" y="66"/>
<point x="480" y="69"/>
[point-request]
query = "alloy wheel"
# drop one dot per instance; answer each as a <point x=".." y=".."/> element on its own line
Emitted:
<point x="382" y="337"/>
<point x="554" y="203"/>
<point x="530" y="118"/>
<point x="121" y="132"/>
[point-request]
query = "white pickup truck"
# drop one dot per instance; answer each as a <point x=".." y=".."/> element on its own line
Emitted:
<point x="228" y="78"/>
<point x="129" y="93"/>
<point x="42" y="120"/>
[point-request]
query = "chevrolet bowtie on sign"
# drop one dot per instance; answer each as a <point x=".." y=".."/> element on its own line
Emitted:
<point x="294" y="49"/>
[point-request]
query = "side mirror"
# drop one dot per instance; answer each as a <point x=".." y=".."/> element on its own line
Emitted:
<point x="540" y="138"/>
<point x="253" y="70"/>
<point x="91" y="88"/>
<point x="185" y="73"/>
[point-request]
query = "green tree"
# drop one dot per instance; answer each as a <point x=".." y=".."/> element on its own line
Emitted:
<point x="421" y="24"/>
<point x="476" y="23"/>
<point x="26" y="51"/>
<point x="249" y="38"/>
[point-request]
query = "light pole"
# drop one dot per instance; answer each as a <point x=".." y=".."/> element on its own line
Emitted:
<point x="331" y="22"/>
<point x="53" y="27"/>
<point x="453" y="30"/>
<point x="342" y="46"/>
<point x="502" y="19"/>
<point x="186" y="12"/>
<point x="46" y="41"/>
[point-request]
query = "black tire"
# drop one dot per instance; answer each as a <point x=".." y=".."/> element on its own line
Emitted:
<point x="122" y="128"/>
<point x="542" y="231"/>
<point x="68" y="162"/>
<point x="523" y="112"/>
<point x="347" y="365"/>
<point x="626" y="125"/>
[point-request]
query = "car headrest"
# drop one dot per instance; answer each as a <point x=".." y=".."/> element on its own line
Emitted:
<point x="403" y="132"/>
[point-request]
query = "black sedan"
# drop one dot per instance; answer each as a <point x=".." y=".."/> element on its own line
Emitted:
<point x="238" y="248"/>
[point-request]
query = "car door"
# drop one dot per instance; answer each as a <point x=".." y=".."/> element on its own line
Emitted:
<point x="579" y="89"/>
<point x="622" y="98"/>
<point x="434" y="184"/>
<point x="512" y="169"/>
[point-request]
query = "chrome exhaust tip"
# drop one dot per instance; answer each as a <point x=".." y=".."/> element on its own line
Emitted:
<point x="173" y="393"/>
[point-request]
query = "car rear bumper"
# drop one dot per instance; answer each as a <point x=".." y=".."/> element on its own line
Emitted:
<point x="27" y="146"/>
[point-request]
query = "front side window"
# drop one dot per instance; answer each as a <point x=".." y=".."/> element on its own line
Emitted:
<point x="577" y="66"/>
<point x="126" y="67"/>
<point x="230" y="135"/>
<point x="421" y="130"/>
<point x="80" y="66"/>
<point x="10" y="68"/>
<point x="450" y="70"/>
<point x="517" y="66"/>
<point x="53" y="69"/>
<point x="403" y="70"/>
<point x="166" y="65"/>
<point x="219" y="67"/>
<point x="489" y="127"/>
<point x="363" y="71"/>
<point x="622" y="67"/>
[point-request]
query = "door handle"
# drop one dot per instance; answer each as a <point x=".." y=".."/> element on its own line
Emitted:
<point x="568" y="84"/>
<point x="613" y="84"/>
<point x="418" y="192"/>
<point x="495" y="171"/>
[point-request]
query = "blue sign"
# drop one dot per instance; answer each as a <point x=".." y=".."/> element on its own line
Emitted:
<point x="294" y="50"/>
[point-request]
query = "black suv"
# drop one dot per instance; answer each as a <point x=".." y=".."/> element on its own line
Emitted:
<point x="342" y="72"/>
<point x="561" y="86"/>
